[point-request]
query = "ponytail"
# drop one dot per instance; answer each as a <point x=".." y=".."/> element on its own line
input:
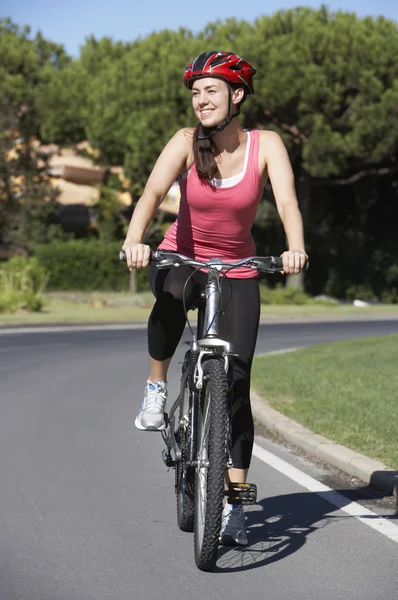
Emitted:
<point x="203" y="152"/>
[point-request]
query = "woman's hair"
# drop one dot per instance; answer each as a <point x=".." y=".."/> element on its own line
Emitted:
<point x="205" y="150"/>
<point x="203" y="153"/>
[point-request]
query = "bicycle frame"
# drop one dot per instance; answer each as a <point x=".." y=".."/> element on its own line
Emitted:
<point x="207" y="342"/>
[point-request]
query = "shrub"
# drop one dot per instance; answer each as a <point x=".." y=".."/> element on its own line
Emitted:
<point x="289" y="295"/>
<point x="87" y="265"/>
<point x="283" y="295"/>
<point x="361" y="292"/>
<point x="22" y="283"/>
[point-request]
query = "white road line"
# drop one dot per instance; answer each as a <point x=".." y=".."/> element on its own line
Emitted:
<point x="366" y="516"/>
<point x="282" y="351"/>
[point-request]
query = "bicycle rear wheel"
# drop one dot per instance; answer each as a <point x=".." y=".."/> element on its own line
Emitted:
<point x="185" y="476"/>
<point x="211" y="457"/>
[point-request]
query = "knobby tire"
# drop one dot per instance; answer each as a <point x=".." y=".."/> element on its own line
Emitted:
<point x="211" y="447"/>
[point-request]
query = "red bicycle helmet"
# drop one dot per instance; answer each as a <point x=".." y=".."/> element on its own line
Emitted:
<point x="226" y="65"/>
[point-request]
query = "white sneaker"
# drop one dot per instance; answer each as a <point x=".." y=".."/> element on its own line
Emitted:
<point x="150" y="416"/>
<point x="233" y="526"/>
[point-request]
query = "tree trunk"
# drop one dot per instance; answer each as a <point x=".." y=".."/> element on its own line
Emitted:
<point x="303" y="197"/>
<point x="133" y="281"/>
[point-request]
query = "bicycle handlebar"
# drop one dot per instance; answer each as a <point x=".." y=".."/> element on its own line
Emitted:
<point x="164" y="259"/>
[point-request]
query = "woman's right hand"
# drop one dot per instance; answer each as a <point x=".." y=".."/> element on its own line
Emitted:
<point x="137" y="255"/>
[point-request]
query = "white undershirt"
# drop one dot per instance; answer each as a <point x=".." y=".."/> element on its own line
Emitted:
<point x="229" y="181"/>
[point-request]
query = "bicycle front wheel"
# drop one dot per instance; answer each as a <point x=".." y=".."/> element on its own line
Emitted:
<point x="211" y="465"/>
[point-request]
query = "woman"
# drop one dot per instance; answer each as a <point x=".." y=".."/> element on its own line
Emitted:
<point x="222" y="170"/>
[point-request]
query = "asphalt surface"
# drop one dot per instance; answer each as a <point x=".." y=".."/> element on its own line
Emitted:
<point x="88" y="510"/>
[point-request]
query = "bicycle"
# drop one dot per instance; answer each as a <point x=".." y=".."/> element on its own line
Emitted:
<point x="198" y="441"/>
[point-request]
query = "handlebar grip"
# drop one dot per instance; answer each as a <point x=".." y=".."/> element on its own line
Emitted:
<point x="278" y="263"/>
<point x="123" y="257"/>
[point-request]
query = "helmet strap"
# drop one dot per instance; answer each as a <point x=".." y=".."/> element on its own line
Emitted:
<point x="208" y="132"/>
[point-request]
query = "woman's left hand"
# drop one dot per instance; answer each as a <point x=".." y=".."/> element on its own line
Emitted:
<point x="293" y="261"/>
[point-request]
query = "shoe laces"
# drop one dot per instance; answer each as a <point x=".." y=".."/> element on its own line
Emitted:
<point x="155" y="399"/>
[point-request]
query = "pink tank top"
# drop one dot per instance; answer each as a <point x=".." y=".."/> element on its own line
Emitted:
<point x="216" y="221"/>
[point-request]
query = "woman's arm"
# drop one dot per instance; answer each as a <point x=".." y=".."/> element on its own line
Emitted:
<point x="282" y="180"/>
<point x="166" y="170"/>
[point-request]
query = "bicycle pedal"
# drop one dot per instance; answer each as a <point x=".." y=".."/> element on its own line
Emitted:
<point x="241" y="493"/>
<point x="167" y="459"/>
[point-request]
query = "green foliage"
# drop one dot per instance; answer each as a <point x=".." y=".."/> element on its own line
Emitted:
<point x="113" y="182"/>
<point x="22" y="283"/>
<point x="29" y="212"/>
<point x="138" y="101"/>
<point x="22" y="60"/>
<point x="61" y="100"/>
<point x="110" y="221"/>
<point x="12" y="301"/>
<point x="28" y="208"/>
<point x="327" y="82"/>
<point x="96" y="55"/>
<point x="289" y="295"/>
<point x="360" y="292"/>
<point x="87" y="266"/>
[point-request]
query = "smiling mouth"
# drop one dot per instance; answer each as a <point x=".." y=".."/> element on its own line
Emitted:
<point x="206" y="113"/>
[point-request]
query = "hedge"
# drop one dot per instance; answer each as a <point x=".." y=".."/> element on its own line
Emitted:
<point x="86" y="266"/>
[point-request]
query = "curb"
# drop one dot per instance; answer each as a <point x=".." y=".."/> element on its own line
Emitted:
<point x="353" y="463"/>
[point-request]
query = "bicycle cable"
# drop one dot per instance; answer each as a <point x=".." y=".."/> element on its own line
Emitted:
<point x="184" y="303"/>
<point x="223" y="275"/>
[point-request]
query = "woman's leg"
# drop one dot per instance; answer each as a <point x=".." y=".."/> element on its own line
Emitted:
<point x="167" y="319"/>
<point x="159" y="369"/>
<point x="239" y="325"/>
<point x="165" y="327"/>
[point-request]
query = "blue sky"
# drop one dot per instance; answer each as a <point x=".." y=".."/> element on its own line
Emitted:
<point x="71" y="21"/>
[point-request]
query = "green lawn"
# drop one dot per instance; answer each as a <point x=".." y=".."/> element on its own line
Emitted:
<point x="80" y="307"/>
<point x="346" y="391"/>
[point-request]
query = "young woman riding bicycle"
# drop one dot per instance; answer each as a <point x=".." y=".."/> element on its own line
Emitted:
<point x="222" y="169"/>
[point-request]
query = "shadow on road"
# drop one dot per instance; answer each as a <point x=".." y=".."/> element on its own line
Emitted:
<point x="280" y="526"/>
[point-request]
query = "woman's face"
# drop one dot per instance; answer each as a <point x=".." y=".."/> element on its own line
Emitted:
<point x="210" y="100"/>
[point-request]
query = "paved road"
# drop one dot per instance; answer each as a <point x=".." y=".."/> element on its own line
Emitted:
<point x="87" y="508"/>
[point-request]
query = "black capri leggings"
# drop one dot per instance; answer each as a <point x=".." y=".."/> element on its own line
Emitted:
<point x="238" y="325"/>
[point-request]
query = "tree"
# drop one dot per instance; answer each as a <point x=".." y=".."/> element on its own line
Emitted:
<point x="21" y="63"/>
<point x="61" y="102"/>
<point x="138" y="102"/>
<point x="328" y="82"/>
<point x="28" y="207"/>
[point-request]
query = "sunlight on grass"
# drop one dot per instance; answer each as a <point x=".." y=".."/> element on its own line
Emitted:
<point x="346" y="391"/>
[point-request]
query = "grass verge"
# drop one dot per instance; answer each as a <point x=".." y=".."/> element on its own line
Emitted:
<point x="100" y="307"/>
<point x="346" y="391"/>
